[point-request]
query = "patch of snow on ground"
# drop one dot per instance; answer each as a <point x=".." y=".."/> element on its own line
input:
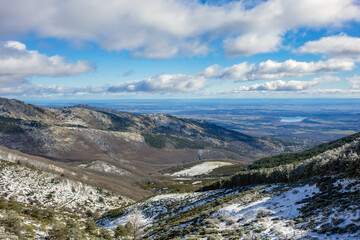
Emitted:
<point x="104" y="167"/>
<point x="164" y="206"/>
<point x="33" y="186"/>
<point x="199" y="169"/>
<point x="282" y="207"/>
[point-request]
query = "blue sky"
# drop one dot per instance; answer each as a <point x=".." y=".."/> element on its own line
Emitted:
<point x="92" y="49"/>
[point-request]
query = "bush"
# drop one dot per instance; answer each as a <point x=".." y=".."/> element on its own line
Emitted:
<point x="64" y="232"/>
<point x="89" y="213"/>
<point x="230" y="221"/>
<point x="57" y="232"/>
<point x="121" y="231"/>
<point x="36" y="213"/>
<point x="105" y="234"/>
<point x="11" y="223"/>
<point x="90" y="227"/>
<point x="48" y="214"/>
<point x="3" y="203"/>
<point x="13" y="204"/>
<point x="72" y="232"/>
<point x="263" y="213"/>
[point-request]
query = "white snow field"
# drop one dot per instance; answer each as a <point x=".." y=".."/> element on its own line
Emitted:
<point x="199" y="169"/>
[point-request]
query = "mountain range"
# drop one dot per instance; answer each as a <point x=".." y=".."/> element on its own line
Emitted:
<point x="123" y="149"/>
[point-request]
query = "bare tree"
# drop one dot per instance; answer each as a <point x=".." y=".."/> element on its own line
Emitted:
<point x="135" y="225"/>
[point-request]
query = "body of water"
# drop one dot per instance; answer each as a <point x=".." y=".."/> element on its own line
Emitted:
<point x="292" y="119"/>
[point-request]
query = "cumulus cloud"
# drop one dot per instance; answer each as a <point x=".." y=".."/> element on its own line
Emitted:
<point x="17" y="64"/>
<point x="169" y="28"/>
<point x="249" y="44"/>
<point x="281" y="85"/>
<point x="354" y="81"/>
<point x="162" y="83"/>
<point x="274" y="70"/>
<point x="336" y="46"/>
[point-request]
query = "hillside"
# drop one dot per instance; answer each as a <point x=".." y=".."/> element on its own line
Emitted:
<point x="50" y="203"/>
<point x="287" y="158"/>
<point x="313" y="199"/>
<point x="122" y="149"/>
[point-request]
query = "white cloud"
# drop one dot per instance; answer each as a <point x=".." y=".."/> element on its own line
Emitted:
<point x="281" y="85"/>
<point x="337" y="46"/>
<point x="354" y="81"/>
<point x="169" y="28"/>
<point x="158" y="84"/>
<point x="162" y="83"/>
<point x="274" y="70"/>
<point x="249" y="44"/>
<point x="17" y="64"/>
<point x="42" y="90"/>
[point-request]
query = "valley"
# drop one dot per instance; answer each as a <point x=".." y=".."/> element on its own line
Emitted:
<point x="99" y="173"/>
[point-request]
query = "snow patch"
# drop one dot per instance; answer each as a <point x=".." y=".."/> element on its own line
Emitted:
<point x="104" y="167"/>
<point x="199" y="169"/>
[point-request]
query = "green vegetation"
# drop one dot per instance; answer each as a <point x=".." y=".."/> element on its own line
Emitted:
<point x="119" y="123"/>
<point x="22" y="219"/>
<point x="12" y="223"/>
<point x="287" y="158"/>
<point x="228" y="170"/>
<point x="9" y="125"/>
<point x="343" y="160"/>
<point x="121" y="231"/>
<point x="192" y="218"/>
<point x="171" y="187"/>
<point x="155" y="141"/>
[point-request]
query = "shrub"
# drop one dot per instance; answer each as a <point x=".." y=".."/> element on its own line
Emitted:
<point x="11" y="223"/>
<point x="13" y="204"/>
<point x="230" y="221"/>
<point x="89" y="213"/>
<point x="263" y="213"/>
<point x="57" y="232"/>
<point x="35" y="212"/>
<point x="105" y="234"/>
<point x="121" y="231"/>
<point x="48" y="214"/>
<point x="90" y="227"/>
<point x="3" y="203"/>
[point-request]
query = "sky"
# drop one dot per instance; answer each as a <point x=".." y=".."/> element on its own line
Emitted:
<point x="96" y="49"/>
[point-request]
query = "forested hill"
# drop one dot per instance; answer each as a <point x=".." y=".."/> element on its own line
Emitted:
<point x="286" y="158"/>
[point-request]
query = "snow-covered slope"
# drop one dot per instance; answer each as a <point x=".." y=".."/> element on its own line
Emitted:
<point x="32" y="186"/>
<point x="323" y="203"/>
